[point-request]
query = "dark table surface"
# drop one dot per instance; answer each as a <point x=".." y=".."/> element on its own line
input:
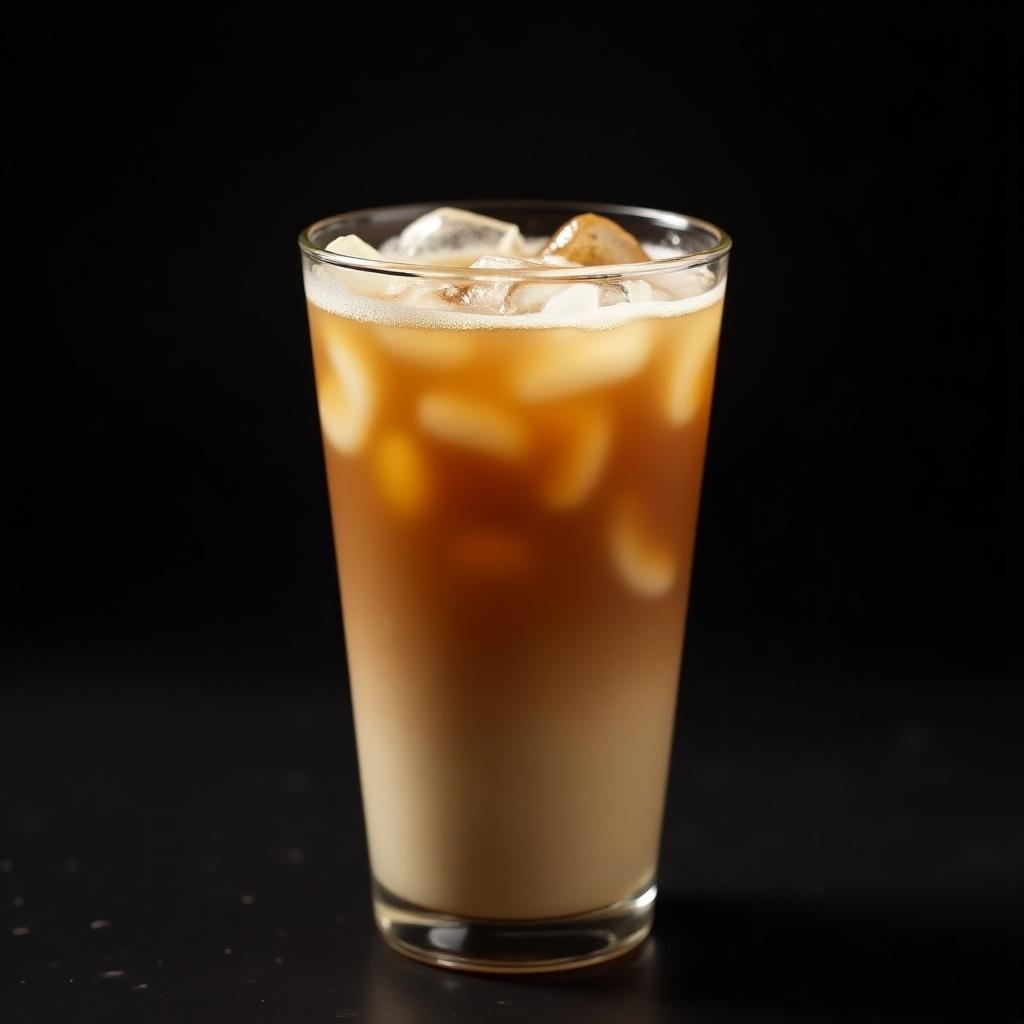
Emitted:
<point x="184" y="843"/>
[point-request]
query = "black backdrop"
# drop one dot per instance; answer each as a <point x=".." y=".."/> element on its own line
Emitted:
<point x="169" y="622"/>
<point x="163" y="487"/>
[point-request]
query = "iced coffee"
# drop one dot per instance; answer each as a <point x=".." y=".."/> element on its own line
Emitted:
<point x="514" y="414"/>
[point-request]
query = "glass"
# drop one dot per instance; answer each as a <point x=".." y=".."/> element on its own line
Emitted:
<point x="514" y="500"/>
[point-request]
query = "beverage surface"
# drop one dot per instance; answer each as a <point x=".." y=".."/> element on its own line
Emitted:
<point x="514" y="466"/>
<point x="457" y="238"/>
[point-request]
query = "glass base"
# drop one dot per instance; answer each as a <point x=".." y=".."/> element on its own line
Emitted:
<point x="515" y="947"/>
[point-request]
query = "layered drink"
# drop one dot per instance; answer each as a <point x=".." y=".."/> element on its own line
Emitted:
<point x="514" y="428"/>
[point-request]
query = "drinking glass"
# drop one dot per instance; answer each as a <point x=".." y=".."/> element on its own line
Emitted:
<point x="514" y="499"/>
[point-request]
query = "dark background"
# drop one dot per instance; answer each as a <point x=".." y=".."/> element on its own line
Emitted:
<point x="846" y="788"/>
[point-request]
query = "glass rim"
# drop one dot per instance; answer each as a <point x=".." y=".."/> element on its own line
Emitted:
<point x="396" y="268"/>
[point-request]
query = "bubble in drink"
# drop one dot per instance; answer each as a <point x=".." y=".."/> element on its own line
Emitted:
<point x="470" y="422"/>
<point x="447" y="231"/>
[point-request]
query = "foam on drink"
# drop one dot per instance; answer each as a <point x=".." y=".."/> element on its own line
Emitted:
<point x="325" y="288"/>
<point x="486" y="302"/>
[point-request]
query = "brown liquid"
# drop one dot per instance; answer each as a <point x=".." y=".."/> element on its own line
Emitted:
<point x="514" y="513"/>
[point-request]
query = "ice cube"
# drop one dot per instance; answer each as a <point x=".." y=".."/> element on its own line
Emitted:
<point x="504" y="296"/>
<point x="493" y="553"/>
<point x="575" y="298"/>
<point x="438" y="349"/>
<point x="492" y="296"/>
<point x="588" y="360"/>
<point x="582" y="443"/>
<point x="353" y="245"/>
<point x="345" y="397"/>
<point x="684" y="284"/>
<point x="592" y="241"/>
<point x="637" y="291"/>
<point x="614" y="292"/>
<point x="470" y="422"/>
<point x="448" y="230"/>
<point x="532" y="296"/>
<point x="362" y="282"/>
<point x="402" y="473"/>
<point x="643" y="561"/>
<point x="687" y="382"/>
